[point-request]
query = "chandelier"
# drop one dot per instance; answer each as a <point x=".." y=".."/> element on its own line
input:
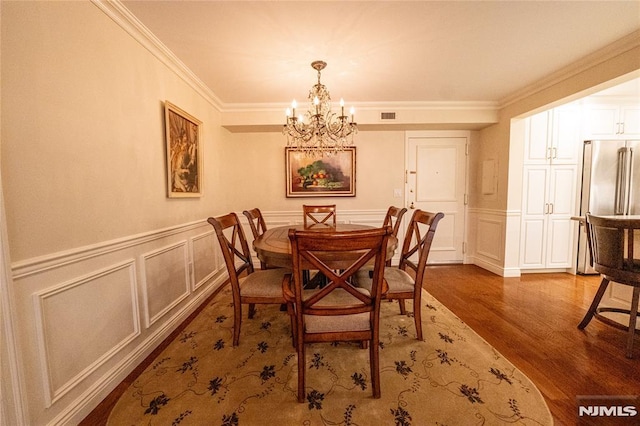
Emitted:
<point x="319" y="131"/>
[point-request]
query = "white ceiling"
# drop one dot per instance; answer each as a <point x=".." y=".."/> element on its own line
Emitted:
<point x="259" y="52"/>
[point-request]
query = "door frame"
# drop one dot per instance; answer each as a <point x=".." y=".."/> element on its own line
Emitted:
<point x="465" y="214"/>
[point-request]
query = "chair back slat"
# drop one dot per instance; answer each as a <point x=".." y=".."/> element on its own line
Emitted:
<point x="308" y="247"/>
<point x="612" y="247"/>
<point x="393" y="218"/>
<point x="324" y="215"/>
<point x="420" y="232"/>
<point x="256" y="222"/>
<point x="233" y="245"/>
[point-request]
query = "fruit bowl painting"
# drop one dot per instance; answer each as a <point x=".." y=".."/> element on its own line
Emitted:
<point x="330" y="175"/>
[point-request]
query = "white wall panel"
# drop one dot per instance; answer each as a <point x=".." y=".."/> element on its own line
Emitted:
<point x="205" y="250"/>
<point x="166" y="280"/>
<point x="84" y="322"/>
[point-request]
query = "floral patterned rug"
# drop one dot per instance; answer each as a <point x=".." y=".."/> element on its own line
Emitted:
<point x="452" y="378"/>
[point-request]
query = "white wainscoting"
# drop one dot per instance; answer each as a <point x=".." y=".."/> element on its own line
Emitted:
<point x="487" y="238"/>
<point x="86" y="317"/>
<point x="165" y="280"/>
<point x="70" y="346"/>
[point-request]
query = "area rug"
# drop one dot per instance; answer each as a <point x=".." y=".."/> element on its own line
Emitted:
<point x="454" y="377"/>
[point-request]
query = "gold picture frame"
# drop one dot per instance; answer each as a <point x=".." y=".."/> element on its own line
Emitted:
<point x="184" y="154"/>
<point x="331" y="175"/>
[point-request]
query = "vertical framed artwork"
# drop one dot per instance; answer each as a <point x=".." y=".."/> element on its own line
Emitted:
<point x="327" y="176"/>
<point x="184" y="156"/>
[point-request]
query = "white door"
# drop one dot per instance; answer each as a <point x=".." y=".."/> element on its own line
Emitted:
<point x="436" y="182"/>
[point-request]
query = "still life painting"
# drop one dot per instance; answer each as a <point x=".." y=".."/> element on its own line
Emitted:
<point x="330" y="175"/>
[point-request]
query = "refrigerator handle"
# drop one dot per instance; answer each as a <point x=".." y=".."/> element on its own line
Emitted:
<point x="623" y="182"/>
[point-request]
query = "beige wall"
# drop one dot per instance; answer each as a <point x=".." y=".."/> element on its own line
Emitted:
<point x="83" y="166"/>
<point x="83" y="156"/>
<point x="254" y="163"/>
<point x="83" y="175"/>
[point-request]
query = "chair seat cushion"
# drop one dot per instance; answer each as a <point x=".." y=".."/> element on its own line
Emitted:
<point x="397" y="279"/>
<point x="263" y="283"/>
<point x="336" y="323"/>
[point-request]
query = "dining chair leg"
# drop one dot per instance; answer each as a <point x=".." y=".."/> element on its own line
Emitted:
<point x="237" y="322"/>
<point x="301" y="369"/>
<point x="252" y="310"/>
<point x="374" y="355"/>
<point x="633" y="313"/>
<point x="417" y="313"/>
<point x="594" y="305"/>
<point x="403" y="309"/>
<point x="294" y="328"/>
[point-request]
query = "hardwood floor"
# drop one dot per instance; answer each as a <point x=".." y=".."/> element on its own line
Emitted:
<point x="532" y="320"/>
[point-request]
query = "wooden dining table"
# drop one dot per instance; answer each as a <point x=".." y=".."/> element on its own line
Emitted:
<point x="274" y="248"/>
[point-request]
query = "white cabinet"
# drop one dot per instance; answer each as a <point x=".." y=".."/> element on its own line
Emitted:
<point x="613" y="121"/>
<point x="550" y="173"/>
<point x="552" y="137"/>
<point x="548" y="204"/>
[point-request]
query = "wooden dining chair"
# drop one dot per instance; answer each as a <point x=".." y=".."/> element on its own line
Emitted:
<point x="393" y="218"/>
<point x="413" y="258"/>
<point x="339" y="311"/>
<point x="256" y="221"/>
<point x="614" y="245"/>
<point x="258" y="227"/>
<point x="317" y="216"/>
<point x="256" y="287"/>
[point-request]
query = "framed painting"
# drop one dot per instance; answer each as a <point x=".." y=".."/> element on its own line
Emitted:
<point x="327" y="176"/>
<point x="184" y="156"/>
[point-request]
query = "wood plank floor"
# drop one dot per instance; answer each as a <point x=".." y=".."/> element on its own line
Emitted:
<point x="532" y="321"/>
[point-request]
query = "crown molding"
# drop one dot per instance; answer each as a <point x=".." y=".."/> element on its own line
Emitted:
<point x="617" y="48"/>
<point x="132" y="25"/>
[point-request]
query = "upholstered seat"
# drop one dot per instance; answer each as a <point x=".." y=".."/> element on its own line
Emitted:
<point x="262" y="283"/>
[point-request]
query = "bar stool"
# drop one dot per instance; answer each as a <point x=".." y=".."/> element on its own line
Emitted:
<point x="611" y="243"/>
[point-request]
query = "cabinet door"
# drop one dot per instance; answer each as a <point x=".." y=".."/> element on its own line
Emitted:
<point x="559" y="243"/>
<point x="560" y="227"/>
<point x="566" y="137"/>
<point x="537" y="134"/>
<point x="534" y="217"/>
<point x="602" y="121"/>
<point x="630" y="118"/>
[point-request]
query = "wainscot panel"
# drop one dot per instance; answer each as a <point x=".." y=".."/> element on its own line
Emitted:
<point x="74" y="342"/>
<point x="165" y="280"/>
<point x="78" y="313"/>
<point x="489" y="240"/>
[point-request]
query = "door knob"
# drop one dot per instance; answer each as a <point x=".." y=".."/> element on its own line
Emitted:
<point x="412" y="206"/>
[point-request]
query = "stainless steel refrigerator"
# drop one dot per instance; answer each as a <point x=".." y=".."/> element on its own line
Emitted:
<point x="610" y="186"/>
